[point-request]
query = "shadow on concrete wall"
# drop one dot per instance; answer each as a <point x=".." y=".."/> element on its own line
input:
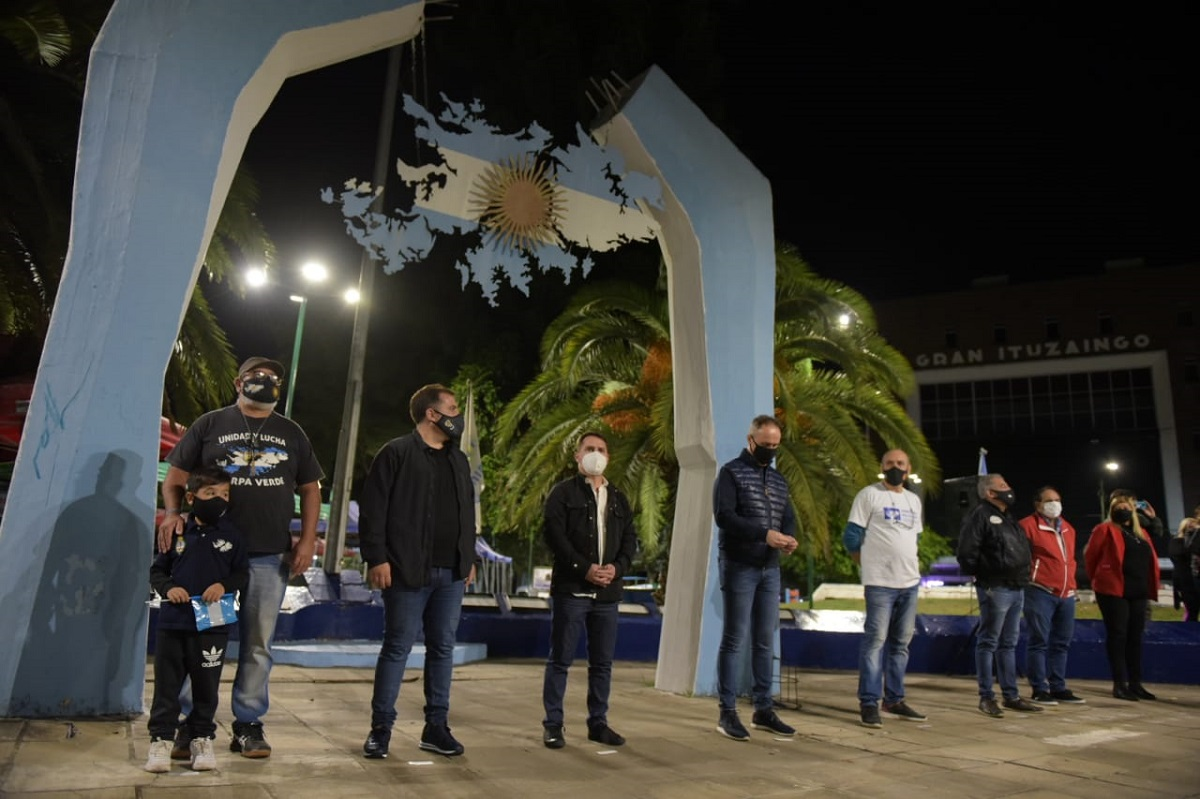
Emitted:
<point x="86" y="641"/>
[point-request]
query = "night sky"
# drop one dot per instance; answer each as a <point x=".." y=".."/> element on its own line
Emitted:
<point x="937" y="148"/>
<point x="906" y="154"/>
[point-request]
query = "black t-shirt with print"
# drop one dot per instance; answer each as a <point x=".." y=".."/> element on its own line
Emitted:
<point x="265" y="458"/>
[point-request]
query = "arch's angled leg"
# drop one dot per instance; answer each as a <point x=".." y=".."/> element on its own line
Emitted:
<point x="718" y="238"/>
<point x="173" y="91"/>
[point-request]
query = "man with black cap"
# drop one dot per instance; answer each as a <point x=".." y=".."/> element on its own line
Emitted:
<point x="269" y="460"/>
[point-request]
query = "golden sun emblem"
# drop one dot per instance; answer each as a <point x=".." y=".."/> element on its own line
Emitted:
<point x="518" y="203"/>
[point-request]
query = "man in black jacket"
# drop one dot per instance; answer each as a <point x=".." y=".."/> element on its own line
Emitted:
<point x="993" y="547"/>
<point x="416" y="529"/>
<point x="589" y="529"/>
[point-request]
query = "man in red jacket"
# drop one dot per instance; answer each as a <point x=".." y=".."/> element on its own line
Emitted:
<point x="1049" y="598"/>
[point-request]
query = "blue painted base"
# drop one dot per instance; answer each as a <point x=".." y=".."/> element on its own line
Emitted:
<point x="941" y="645"/>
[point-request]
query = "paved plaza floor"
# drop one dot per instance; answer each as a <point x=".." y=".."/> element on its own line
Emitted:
<point x="319" y="718"/>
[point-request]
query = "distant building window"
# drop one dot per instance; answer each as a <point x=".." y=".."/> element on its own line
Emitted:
<point x="1001" y="334"/>
<point x="1185" y="318"/>
<point x="951" y="340"/>
<point x="1083" y="402"/>
<point x="1191" y="370"/>
<point x="1052" y="330"/>
<point x="1106" y="324"/>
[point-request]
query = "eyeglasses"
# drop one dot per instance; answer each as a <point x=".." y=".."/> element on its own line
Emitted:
<point x="260" y="374"/>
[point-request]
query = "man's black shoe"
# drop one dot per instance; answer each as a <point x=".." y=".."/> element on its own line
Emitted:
<point x="1044" y="698"/>
<point x="604" y="734"/>
<point x="377" y="743"/>
<point x="248" y="739"/>
<point x="1065" y="695"/>
<point x="437" y="738"/>
<point x="730" y="726"/>
<point x="1022" y="705"/>
<point x="901" y="710"/>
<point x="769" y="720"/>
<point x="181" y="749"/>
<point x="552" y="736"/>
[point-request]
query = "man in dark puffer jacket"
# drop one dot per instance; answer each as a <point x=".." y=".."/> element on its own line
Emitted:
<point x="756" y="524"/>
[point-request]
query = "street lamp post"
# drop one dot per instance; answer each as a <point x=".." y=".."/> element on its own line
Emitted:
<point x="311" y="272"/>
<point x="291" y="389"/>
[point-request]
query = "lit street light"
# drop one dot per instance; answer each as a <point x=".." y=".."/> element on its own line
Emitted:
<point x="1112" y="467"/>
<point x="312" y="272"/>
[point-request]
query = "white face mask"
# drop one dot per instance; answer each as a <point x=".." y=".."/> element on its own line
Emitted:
<point x="1052" y="509"/>
<point x="594" y="463"/>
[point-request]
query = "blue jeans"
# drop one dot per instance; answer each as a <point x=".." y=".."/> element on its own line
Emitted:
<point x="257" y="613"/>
<point x="1051" y="623"/>
<point x="437" y="607"/>
<point x="999" y="628"/>
<point x="891" y="618"/>
<point x="571" y="616"/>
<point x="751" y="603"/>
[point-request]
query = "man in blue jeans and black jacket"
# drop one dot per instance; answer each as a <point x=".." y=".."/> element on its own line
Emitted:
<point x="416" y="530"/>
<point x="755" y="523"/>
<point x="589" y="529"/>
<point x="994" y="549"/>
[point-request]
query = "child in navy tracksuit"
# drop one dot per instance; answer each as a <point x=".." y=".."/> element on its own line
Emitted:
<point x="208" y="559"/>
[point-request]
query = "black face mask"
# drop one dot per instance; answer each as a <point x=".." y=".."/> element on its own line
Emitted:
<point x="1007" y="497"/>
<point x="261" y="389"/>
<point x="452" y="426"/>
<point x="894" y="476"/>
<point x="210" y="510"/>
<point x="764" y="455"/>
<point x="1122" y="516"/>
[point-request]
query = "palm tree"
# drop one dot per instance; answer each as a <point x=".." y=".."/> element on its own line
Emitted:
<point x="43" y="61"/>
<point x="838" y="394"/>
<point x="606" y="364"/>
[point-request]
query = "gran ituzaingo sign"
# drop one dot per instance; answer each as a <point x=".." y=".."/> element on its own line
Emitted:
<point x="1007" y="353"/>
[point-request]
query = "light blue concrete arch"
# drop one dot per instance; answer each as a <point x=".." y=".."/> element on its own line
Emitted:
<point x="174" y="89"/>
<point x="719" y="241"/>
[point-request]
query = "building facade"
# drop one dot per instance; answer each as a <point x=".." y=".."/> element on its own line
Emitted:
<point x="1088" y="384"/>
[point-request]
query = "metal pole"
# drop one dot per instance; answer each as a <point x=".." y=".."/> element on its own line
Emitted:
<point x="287" y="405"/>
<point x="343" y="475"/>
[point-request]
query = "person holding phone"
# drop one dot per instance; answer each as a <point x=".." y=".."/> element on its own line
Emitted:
<point x="1122" y="565"/>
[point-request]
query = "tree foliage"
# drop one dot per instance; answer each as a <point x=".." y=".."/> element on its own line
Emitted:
<point x="44" y="47"/>
<point x="606" y="365"/>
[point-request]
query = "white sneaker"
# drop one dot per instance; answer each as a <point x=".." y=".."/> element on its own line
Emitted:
<point x="203" y="758"/>
<point x="159" y="760"/>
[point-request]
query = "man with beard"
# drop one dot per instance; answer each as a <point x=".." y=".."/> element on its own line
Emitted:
<point x="269" y="459"/>
<point x="416" y="530"/>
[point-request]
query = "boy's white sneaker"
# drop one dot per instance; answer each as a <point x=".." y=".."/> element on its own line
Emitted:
<point x="159" y="760"/>
<point x="203" y="757"/>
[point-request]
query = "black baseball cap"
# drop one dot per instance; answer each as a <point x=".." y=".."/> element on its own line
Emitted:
<point x="259" y="361"/>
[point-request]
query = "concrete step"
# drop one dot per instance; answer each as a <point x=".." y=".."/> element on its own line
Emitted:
<point x="361" y="654"/>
